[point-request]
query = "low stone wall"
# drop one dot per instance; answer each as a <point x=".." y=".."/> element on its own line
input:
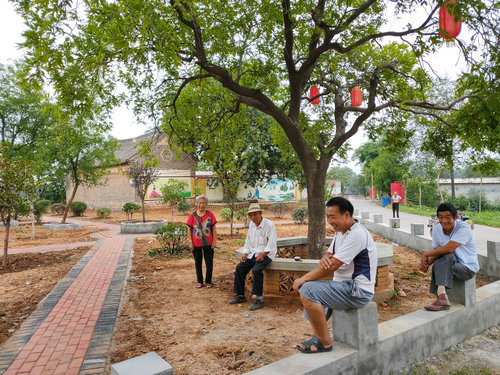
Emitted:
<point x="363" y="347"/>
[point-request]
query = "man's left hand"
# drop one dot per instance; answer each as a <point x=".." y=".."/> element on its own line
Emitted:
<point x="424" y="263"/>
<point x="260" y="257"/>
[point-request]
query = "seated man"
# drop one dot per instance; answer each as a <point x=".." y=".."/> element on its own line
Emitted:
<point x="454" y="255"/>
<point x="260" y="249"/>
<point x="352" y="256"/>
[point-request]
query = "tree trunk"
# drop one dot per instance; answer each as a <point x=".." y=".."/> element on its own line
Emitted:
<point x="315" y="183"/>
<point x="480" y="194"/>
<point x="232" y="215"/>
<point x="6" y="242"/>
<point x="172" y="204"/>
<point x="32" y="219"/>
<point x="452" y="178"/>
<point x="439" y="186"/>
<point x="143" y="212"/>
<point x="420" y="195"/>
<point x="63" y="221"/>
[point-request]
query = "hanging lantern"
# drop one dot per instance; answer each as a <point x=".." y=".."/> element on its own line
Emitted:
<point x="314" y="92"/>
<point x="356" y="96"/>
<point x="448" y="28"/>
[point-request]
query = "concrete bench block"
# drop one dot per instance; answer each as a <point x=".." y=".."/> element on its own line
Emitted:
<point x="365" y="215"/>
<point x="357" y="327"/>
<point x="146" y="364"/>
<point x="493" y="249"/>
<point x="417" y="229"/>
<point x="356" y="212"/>
<point x="463" y="292"/>
<point x="378" y="218"/>
<point x="394" y="223"/>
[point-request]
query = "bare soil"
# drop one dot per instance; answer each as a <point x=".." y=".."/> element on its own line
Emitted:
<point x="26" y="281"/>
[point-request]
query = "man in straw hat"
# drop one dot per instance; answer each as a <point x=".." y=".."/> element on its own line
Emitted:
<point x="260" y="249"/>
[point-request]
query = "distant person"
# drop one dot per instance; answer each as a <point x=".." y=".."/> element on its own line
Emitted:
<point x="352" y="256"/>
<point x="260" y="249"/>
<point x="395" y="199"/>
<point x="202" y="240"/>
<point x="454" y="255"/>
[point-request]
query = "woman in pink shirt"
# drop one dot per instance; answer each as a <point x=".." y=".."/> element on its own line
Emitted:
<point x="203" y="238"/>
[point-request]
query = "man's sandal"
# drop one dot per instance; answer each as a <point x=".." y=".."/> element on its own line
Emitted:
<point x="320" y="348"/>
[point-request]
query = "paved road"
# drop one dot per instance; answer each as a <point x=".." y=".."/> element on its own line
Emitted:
<point x="482" y="233"/>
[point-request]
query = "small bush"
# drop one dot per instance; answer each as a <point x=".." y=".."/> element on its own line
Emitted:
<point x="130" y="209"/>
<point x="183" y="206"/>
<point x="103" y="212"/>
<point x="172" y="238"/>
<point x="40" y="208"/>
<point x="280" y="208"/>
<point x="78" y="208"/>
<point x="242" y="215"/>
<point x="57" y="208"/>
<point x="225" y="213"/>
<point x="300" y="215"/>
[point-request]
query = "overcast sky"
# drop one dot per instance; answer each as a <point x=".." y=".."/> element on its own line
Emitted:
<point x="447" y="60"/>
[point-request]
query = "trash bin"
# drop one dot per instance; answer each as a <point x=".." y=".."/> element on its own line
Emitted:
<point x="385" y="201"/>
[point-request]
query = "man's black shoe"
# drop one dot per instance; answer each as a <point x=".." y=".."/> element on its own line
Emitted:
<point x="237" y="299"/>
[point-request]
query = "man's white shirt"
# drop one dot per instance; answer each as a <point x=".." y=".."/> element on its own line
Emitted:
<point x="261" y="239"/>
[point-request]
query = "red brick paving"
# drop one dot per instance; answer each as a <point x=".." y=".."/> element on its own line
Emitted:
<point x="60" y="343"/>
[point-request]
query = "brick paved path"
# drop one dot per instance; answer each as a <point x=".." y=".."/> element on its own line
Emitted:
<point x="71" y="330"/>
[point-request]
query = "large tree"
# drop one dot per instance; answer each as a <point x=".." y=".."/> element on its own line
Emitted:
<point x="267" y="53"/>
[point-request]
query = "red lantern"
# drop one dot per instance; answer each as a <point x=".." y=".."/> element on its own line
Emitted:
<point x="449" y="29"/>
<point x="356" y="96"/>
<point x="314" y="92"/>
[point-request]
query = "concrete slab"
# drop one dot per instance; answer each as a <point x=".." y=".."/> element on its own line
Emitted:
<point x="146" y="364"/>
<point x="417" y="229"/>
<point x="60" y="226"/>
<point x="135" y="227"/>
<point x="378" y="218"/>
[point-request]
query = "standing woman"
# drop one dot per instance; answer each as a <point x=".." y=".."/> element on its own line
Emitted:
<point x="203" y="238"/>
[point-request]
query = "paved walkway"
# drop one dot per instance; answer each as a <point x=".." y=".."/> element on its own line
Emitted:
<point x="70" y="332"/>
<point x="482" y="233"/>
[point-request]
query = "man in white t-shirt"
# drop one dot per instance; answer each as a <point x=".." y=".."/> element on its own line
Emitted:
<point x="352" y="256"/>
<point x="454" y="255"/>
<point x="395" y="199"/>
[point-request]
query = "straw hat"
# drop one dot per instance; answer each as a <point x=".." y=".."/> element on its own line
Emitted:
<point x="254" y="207"/>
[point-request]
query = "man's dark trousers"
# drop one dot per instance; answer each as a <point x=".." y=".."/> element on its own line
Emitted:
<point x="258" y="277"/>
<point x="445" y="268"/>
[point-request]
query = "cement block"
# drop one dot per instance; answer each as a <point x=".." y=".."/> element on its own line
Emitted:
<point x="463" y="292"/>
<point x="59" y="226"/>
<point x="357" y="327"/>
<point x="137" y="226"/>
<point x="356" y="212"/>
<point x="378" y="218"/>
<point x="146" y="364"/>
<point x="394" y="223"/>
<point x="417" y="229"/>
<point x="365" y="215"/>
<point x="493" y="249"/>
<point x="13" y="223"/>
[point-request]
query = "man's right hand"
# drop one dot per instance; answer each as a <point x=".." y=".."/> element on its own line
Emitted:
<point x="424" y="264"/>
<point x="326" y="262"/>
<point x="244" y="257"/>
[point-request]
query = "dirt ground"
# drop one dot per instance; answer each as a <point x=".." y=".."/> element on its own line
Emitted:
<point x="198" y="332"/>
<point x="27" y="279"/>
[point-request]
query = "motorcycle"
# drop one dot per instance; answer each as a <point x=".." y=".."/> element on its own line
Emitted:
<point x="461" y="216"/>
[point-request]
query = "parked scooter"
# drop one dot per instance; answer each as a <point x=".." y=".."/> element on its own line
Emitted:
<point x="461" y="216"/>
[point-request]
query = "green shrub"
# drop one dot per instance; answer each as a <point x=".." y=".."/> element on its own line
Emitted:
<point x="130" y="209"/>
<point x="40" y="208"/>
<point x="242" y="215"/>
<point x="172" y="238"/>
<point x="103" y="212"/>
<point x="300" y="215"/>
<point x="225" y="213"/>
<point x="78" y="208"/>
<point x="183" y="206"/>
<point x="57" y="208"/>
<point x="280" y="208"/>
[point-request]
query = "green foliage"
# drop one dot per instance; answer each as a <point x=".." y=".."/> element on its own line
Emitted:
<point x="103" y="212"/>
<point x="225" y="213"/>
<point x="54" y="191"/>
<point x="130" y="208"/>
<point x="242" y="215"/>
<point x="197" y="190"/>
<point x="347" y="177"/>
<point x="280" y="208"/>
<point x="78" y="208"/>
<point x="172" y="238"/>
<point x="142" y="172"/>
<point x="183" y="206"/>
<point x="172" y="193"/>
<point x="300" y="215"/>
<point x="57" y="208"/>
<point x="40" y="208"/>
